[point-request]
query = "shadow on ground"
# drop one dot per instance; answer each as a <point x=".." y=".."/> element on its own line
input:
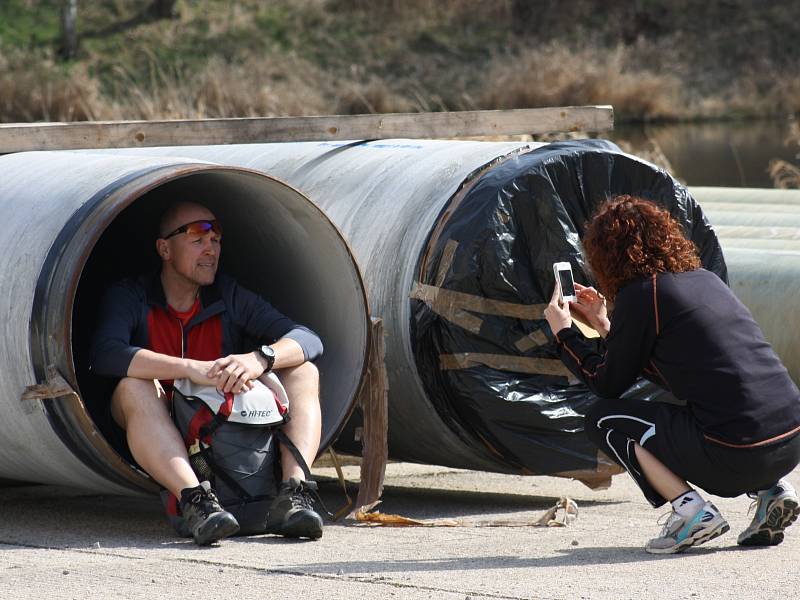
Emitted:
<point x="53" y="516"/>
<point x="567" y="557"/>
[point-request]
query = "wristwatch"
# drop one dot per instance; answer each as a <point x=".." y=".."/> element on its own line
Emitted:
<point x="269" y="354"/>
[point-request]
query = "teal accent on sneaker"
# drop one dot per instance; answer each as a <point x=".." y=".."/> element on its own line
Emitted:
<point x="776" y="509"/>
<point x="680" y="533"/>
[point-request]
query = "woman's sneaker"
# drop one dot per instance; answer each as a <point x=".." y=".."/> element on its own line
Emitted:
<point x="204" y="515"/>
<point x="679" y="533"/>
<point x="776" y="509"/>
<point x="291" y="513"/>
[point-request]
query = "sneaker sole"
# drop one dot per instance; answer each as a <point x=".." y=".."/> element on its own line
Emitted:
<point x="215" y="529"/>
<point x="783" y="514"/>
<point x="699" y="537"/>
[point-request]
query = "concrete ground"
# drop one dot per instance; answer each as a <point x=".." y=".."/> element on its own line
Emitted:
<point x="59" y="543"/>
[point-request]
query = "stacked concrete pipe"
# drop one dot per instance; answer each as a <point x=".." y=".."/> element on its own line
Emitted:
<point x="759" y="230"/>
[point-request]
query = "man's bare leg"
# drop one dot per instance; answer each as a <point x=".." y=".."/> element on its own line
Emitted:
<point x="305" y="426"/>
<point x="291" y="512"/>
<point x="139" y="407"/>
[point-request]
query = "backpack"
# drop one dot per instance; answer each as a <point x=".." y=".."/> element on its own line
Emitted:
<point x="232" y="441"/>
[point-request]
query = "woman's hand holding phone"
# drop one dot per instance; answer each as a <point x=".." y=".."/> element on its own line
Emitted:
<point x="557" y="312"/>
<point x="590" y="309"/>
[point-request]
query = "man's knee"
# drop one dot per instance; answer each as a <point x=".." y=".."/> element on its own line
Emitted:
<point x="303" y="375"/>
<point x="133" y="397"/>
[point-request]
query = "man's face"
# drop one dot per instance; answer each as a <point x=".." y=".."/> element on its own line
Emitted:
<point x="192" y="255"/>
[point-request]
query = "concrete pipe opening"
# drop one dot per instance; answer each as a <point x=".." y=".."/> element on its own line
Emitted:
<point x="95" y="223"/>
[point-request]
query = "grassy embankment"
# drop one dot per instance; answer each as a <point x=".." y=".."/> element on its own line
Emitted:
<point x="653" y="60"/>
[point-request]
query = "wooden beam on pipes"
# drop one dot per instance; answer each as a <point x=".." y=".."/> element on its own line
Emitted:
<point x="20" y="137"/>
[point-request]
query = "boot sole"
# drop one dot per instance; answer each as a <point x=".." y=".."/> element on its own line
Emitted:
<point x="781" y="515"/>
<point x="304" y="526"/>
<point x="216" y="527"/>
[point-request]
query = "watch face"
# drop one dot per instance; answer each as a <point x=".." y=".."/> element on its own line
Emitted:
<point x="267" y="352"/>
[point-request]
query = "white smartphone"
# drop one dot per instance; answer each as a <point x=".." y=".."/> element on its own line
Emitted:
<point x="564" y="281"/>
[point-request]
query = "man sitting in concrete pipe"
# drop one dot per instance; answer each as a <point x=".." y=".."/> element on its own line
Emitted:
<point x="188" y="322"/>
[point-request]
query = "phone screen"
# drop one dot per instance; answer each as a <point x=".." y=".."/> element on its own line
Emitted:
<point x="567" y="285"/>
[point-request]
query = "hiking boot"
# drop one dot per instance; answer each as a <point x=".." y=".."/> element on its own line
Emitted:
<point x="776" y="509"/>
<point x="291" y="513"/>
<point x="204" y="515"/>
<point x="679" y="532"/>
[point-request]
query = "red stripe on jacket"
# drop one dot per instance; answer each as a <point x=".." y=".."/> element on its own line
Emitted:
<point x="165" y="330"/>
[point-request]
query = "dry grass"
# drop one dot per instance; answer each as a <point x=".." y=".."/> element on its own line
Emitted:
<point x="295" y="57"/>
<point x="38" y="90"/>
<point x="557" y="76"/>
<point x="256" y="88"/>
<point x="784" y="174"/>
<point x="373" y="97"/>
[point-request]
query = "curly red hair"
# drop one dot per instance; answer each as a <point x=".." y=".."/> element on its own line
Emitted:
<point x="629" y="238"/>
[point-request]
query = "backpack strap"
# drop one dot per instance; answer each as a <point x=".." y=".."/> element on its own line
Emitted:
<point x="220" y="418"/>
<point x="284" y="439"/>
<point x="208" y="456"/>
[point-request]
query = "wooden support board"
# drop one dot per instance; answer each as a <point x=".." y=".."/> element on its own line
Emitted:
<point x="20" y="137"/>
<point x="374" y="404"/>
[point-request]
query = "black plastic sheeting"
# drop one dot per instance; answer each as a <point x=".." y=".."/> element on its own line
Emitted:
<point x="511" y="226"/>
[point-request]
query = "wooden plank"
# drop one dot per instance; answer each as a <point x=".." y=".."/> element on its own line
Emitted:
<point x="20" y="137"/>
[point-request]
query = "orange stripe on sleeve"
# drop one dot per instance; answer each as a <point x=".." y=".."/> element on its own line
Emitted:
<point x="655" y="302"/>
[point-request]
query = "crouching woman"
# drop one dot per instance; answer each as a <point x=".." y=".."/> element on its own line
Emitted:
<point x="682" y="328"/>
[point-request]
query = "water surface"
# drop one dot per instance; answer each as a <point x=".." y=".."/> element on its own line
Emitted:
<point x="730" y="154"/>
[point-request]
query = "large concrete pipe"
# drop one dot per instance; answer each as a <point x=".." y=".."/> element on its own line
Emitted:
<point x="456" y="241"/>
<point x="73" y="223"/>
<point x="759" y="230"/>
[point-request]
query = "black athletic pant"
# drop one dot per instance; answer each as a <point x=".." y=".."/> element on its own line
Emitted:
<point x="673" y="436"/>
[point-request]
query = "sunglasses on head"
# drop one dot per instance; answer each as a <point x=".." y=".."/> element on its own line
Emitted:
<point x="197" y="228"/>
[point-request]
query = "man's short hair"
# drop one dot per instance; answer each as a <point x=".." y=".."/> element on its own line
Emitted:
<point x="167" y="222"/>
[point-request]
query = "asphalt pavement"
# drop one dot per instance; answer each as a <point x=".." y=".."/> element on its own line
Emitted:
<point x="62" y="543"/>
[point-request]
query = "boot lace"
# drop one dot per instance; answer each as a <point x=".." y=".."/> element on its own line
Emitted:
<point x="206" y="502"/>
<point x="306" y="495"/>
